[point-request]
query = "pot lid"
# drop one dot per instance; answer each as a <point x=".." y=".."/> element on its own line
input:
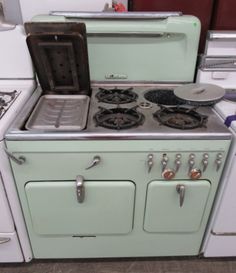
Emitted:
<point x="200" y="92"/>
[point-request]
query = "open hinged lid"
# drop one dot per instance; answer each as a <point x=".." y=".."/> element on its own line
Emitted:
<point x="59" y="53"/>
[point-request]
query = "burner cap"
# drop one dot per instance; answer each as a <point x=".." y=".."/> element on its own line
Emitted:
<point x="116" y="96"/>
<point x="180" y="118"/>
<point x="118" y="118"/>
<point x="162" y="96"/>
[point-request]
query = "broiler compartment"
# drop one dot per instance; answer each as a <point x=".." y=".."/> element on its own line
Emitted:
<point x="59" y="53"/>
<point x="59" y="113"/>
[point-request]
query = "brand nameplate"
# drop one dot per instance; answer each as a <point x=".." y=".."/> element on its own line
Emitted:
<point x="116" y="76"/>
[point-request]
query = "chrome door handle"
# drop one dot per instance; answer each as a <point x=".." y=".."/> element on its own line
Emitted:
<point x="181" y="191"/>
<point x="4" y="240"/>
<point x="80" y="190"/>
<point x="95" y="162"/>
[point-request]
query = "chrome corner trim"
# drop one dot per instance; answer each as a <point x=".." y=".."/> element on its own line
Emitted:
<point x="114" y="15"/>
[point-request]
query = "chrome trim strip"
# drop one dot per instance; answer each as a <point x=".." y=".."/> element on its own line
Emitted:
<point x="114" y="15"/>
<point x="223" y="233"/>
<point x="214" y="35"/>
<point x="131" y="34"/>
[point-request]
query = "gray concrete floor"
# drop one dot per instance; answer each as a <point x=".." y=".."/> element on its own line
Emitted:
<point x="152" y="265"/>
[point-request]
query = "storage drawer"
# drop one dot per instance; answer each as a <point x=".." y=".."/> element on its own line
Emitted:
<point x="107" y="207"/>
<point x="163" y="210"/>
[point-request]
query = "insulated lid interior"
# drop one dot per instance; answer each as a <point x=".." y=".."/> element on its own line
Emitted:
<point x="60" y="57"/>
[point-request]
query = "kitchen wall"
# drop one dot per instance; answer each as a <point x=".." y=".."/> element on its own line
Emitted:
<point x="213" y="14"/>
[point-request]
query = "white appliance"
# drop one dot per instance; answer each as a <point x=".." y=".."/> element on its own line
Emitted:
<point x="30" y="8"/>
<point x="16" y="85"/>
<point x="219" y="67"/>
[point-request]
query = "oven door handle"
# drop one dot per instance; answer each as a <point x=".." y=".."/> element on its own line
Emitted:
<point x="19" y="160"/>
<point x="80" y="190"/>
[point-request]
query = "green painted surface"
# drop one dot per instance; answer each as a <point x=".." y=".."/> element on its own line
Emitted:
<point x="169" y="57"/>
<point x="162" y="195"/>
<point x="107" y="208"/>
<point x="121" y="161"/>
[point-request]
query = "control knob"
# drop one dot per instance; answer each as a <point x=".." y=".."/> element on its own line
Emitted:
<point x="195" y="174"/>
<point x="168" y="174"/>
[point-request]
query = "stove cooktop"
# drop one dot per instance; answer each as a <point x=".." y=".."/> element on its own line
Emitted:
<point x="124" y="112"/>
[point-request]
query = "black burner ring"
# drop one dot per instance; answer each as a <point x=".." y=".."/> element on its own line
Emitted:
<point x="116" y="96"/>
<point x="180" y="118"/>
<point x="162" y="97"/>
<point x="118" y="118"/>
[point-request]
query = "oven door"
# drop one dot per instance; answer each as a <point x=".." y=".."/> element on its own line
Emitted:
<point x="175" y="206"/>
<point x="107" y="207"/>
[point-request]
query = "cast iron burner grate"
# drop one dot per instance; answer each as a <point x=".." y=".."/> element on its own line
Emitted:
<point x="180" y="118"/>
<point x="116" y="96"/>
<point x="118" y="118"/>
<point x="162" y="96"/>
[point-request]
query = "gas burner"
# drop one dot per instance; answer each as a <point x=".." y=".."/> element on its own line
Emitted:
<point x="6" y="99"/>
<point x="118" y="118"/>
<point x="180" y="118"/>
<point x="162" y="96"/>
<point x="116" y="95"/>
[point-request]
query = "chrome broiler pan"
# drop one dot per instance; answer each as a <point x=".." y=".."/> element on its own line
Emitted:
<point x="59" y="53"/>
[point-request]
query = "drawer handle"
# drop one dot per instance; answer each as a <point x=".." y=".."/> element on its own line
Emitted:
<point x="4" y="240"/>
<point x="80" y="190"/>
<point x="181" y="191"/>
<point x="95" y="162"/>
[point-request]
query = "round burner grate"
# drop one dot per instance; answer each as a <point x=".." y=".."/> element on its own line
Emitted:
<point x="116" y="96"/>
<point x="162" y="96"/>
<point x="180" y="118"/>
<point x="118" y="118"/>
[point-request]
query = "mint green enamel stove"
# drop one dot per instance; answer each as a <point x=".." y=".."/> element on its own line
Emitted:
<point x="125" y="193"/>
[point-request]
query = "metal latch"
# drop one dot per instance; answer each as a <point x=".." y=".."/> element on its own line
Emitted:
<point x="19" y="160"/>
<point x="80" y="190"/>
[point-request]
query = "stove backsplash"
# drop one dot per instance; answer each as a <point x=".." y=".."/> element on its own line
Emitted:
<point x="141" y="50"/>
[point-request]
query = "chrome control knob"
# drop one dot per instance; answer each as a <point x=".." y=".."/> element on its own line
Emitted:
<point x="150" y="162"/>
<point x="218" y="164"/>
<point x="195" y="174"/>
<point x="205" y="155"/>
<point x="168" y="174"/>
<point x="205" y="164"/>
<point x="191" y="156"/>
<point x="177" y="165"/>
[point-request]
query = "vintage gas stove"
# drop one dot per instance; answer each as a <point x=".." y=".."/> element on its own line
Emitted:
<point x="139" y="177"/>
<point x="16" y="86"/>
